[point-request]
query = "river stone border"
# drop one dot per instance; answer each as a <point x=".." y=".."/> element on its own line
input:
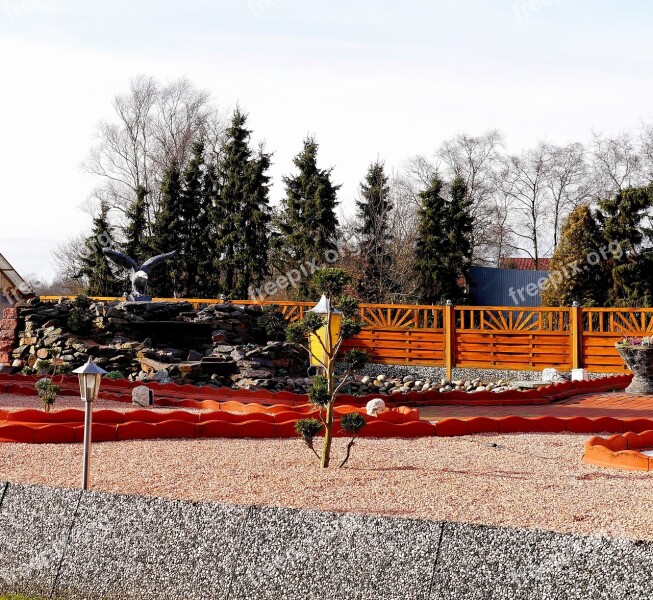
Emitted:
<point x="58" y="543"/>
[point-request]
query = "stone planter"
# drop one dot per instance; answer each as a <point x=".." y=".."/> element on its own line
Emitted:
<point x="639" y="359"/>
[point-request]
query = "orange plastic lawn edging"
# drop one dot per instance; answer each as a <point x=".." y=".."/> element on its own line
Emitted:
<point x="621" y="451"/>
<point x="211" y="398"/>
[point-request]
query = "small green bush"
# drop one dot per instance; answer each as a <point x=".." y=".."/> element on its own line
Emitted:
<point x="114" y="375"/>
<point x="273" y="322"/>
<point x="47" y="391"/>
<point x="28" y="370"/>
<point x="307" y="429"/>
<point x="80" y="316"/>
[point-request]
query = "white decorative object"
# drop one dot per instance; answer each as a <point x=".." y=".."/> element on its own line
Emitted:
<point x="580" y="375"/>
<point x="374" y="407"/>
<point x="549" y="375"/>
<point x="142" y="396"/>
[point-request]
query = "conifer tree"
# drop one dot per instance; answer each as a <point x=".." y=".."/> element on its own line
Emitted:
<point x="243" y="211"/>
<point x="571" y="277"/>
<point x="459" y="230"/>
<point x="166" y="234"/>
<point x="136" y="242"/>
<point x="443" y="248"/>
<point x="373" y="212"/>
<point x="307" y="221"/>
<point x="624" y="219"/>
<point x="253" y="222"/>
<point x="189" y="231"/>
<point x="95" y="268"/>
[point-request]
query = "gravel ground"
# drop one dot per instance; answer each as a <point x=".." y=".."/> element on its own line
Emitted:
<point x="528" y="480"/>
<point x="437" y="373"/>
<point x="17" y="402"/>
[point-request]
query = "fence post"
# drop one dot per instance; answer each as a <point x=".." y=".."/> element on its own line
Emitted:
<point x="449" y="337"/>
<point x="576" y="325"/>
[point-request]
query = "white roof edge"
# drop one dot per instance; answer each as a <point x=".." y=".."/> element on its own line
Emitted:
<point x="14" y="278"/>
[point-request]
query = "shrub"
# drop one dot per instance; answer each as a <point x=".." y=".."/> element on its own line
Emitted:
<point x="28" y="370"/>
<point x="273" y="322"/>
<point x="114" y="375"/>
<point x="307" y="429"/>
<point x="80" y="316"/>
<point x="47" y="391"/>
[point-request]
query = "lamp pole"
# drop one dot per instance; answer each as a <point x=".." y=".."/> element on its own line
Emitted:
<point x="90" y="376"/>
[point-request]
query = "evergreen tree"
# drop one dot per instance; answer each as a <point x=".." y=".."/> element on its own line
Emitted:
<point x="95" y="268"/>
<point x="136" y="242"/>
<point x="189" y="231"/>
<point x="166" y="234"/>
<point x="242" y="212"/>
<point x="307" y="222"/>
<point x="443" y="248"/>
<point x="254" y="220"/>
<point x="373" y="211"/>
<point x="623" y="219"/>
<point x="460" y="225"/>
<point x="571" y="277"/>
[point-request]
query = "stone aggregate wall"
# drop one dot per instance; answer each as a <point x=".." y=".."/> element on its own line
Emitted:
<point x="67" y="544"/>
<point x="8" y="334"/>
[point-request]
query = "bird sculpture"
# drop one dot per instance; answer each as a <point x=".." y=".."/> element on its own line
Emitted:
<point x="139" y="274"/>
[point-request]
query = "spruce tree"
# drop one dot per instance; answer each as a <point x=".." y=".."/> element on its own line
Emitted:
<point x="95" y="268"/>
<point x="242" y="211"/>
<point x="189" y="232"/>
<point x="460" y="225"/>
<point x="443" y="248"/>
<point x="307" y="221"/>
<point x="624" y="219"/>
<point x="571" y="277"/>
<point x="253" y="223"/>
<point x="166" y="234"/>
<point x="373" y="212"/>
<point x="136" y="238"/>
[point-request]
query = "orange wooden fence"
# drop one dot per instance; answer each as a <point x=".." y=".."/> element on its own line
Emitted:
<point x="486" y="337"/>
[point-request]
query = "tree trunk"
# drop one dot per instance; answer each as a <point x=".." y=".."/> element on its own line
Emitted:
<point x="328" y="436"/>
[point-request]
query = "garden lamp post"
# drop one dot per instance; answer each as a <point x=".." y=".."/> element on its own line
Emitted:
<point x="322" y="342"/>
<point x="90" y="376"/>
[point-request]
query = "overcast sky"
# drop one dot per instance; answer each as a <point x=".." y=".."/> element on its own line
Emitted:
<point x="368" y="77"/>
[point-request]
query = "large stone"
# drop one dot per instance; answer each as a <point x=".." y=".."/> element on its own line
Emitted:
<point x="142" y="396"/>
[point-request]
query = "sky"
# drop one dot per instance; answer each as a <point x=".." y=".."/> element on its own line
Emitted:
<point x="368" y="78"/>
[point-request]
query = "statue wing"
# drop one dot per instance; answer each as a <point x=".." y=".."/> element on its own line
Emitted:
<point x="121" y="259"/>
<point x="154" y="261"/>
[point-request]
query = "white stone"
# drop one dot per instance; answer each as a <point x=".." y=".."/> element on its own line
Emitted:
<point x="549" y="375"/>
<point x="374" y="407"/>
<point x="380" y="377"/>
<point x="580" y="375"/>
<point x="142" y="396"/>
<point x="365" y="380"/>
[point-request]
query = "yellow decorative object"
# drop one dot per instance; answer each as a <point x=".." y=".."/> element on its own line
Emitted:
<point x="321" y="344"/>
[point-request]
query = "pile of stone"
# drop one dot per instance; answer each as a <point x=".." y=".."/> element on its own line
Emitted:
<point x="220" y="344"/>
<point x="410" y="383"/>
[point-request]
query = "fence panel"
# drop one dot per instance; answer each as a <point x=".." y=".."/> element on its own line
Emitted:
<point x="602" y="327"/>
<point x="505" y="338"/>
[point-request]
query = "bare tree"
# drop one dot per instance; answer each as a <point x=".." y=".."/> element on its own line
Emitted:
<point x="477" y="160"/>
<point x="403" y="222"/>
<point x="616" y="164"/>
<point x="155" y="127"/>
<point x="567" y="182"/>
<point x="524" y="182"/>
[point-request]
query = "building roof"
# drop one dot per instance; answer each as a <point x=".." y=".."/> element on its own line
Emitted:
<point x="526" y="264"/>
<point x="11" y="280"/>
